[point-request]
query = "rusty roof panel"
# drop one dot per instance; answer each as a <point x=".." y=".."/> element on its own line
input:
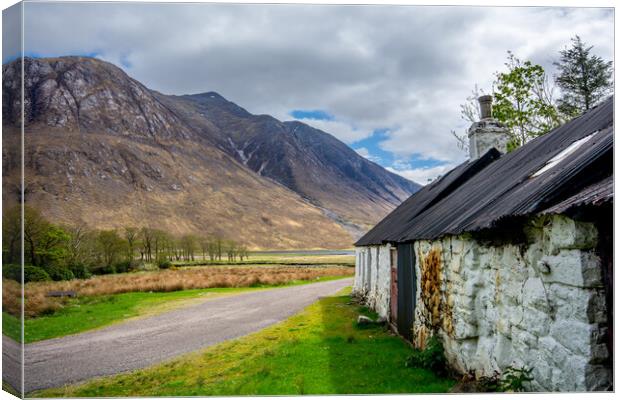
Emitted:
<point x="594" y="195"/>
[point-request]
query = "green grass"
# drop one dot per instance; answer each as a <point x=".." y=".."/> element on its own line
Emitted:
<point x="319" y="351"/>
<point x="11" y="326"/>
<point x="87" y="313"/>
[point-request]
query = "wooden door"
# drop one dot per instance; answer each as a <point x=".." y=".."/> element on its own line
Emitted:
<point x="406" y="290"/>
<point x="393" y="287"/>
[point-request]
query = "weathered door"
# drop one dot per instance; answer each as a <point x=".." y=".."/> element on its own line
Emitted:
<point x="393" y="287"/>
<point x="406" y="290"/>
<point x="605" y="251"/>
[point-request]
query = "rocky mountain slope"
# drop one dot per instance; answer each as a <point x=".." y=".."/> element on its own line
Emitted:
<point x="308" y="161"/>
<point x="104" y="150"/>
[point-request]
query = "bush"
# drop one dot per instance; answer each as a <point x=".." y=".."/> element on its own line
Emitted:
<point x="515" y="379"/>
<point x="103" y="270"/>
<point x="35" y="274"/>
<point x="58" y="273"/>
<point x="80" y="271"/>
<point x="108" y="269"/>
<point x="12" y="271"/>
<point x="511" y="380"/>
<point x="123" y="266"/>
<point x="432" y="357"/>
<point x="164" y="264"/>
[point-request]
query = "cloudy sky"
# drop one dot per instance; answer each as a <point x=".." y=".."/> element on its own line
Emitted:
<point x="386" y="80"/>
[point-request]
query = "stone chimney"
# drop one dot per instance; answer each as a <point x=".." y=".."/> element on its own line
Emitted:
<point x="488" y="132"/>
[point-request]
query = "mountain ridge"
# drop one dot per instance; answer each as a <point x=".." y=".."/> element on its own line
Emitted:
<point x="95" y="137"/>
<point x="341" y="165"/>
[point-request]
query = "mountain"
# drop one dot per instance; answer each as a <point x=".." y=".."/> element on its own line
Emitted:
<point x="308" y="161"/>
<point x="104" y="150"/>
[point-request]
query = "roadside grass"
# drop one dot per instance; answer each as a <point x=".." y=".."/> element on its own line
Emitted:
<point x="319" y="351"/>
<point x="90" y="312"/>
<point x="37" y="303"/>
<point x="11" y="326"/>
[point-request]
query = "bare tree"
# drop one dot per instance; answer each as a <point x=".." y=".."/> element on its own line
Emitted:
<point x="243" y="252"/>
<point x="470" y="112"/>
<point x="212" y="248"/>
<point x="188" y="246"/>
<point x="160" y="243"/>
<point x="204" y="247"/>
<point x="78" y="247"/>
<point x="131" y="236"/>
<point x="147" y="237"/>
<point x="218" y="248"/>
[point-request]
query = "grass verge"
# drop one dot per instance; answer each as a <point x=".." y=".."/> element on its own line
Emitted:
<point x="37" y="303"/>
<point x="319" y="351"/>
<point x="90" y="312"/>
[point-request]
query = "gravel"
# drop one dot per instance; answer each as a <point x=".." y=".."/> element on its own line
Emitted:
<point x="143" y="342"/>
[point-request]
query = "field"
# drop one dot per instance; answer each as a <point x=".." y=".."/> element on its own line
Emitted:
<point x="102" y="300"/>
<point x="319" y="351"/>
<point x="285" y="258"/>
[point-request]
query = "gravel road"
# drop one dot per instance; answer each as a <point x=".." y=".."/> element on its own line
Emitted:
<point x="142" y="342"/>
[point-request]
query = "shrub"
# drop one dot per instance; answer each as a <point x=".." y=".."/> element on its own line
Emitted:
<point x="514" y="379"/>
<point x="12" y="271"/>
<point x="511" y="380"/>
<point x="432" y="357"/>
<point x="123" y="266"/>
<point x="80" y="271"/>
<point x="58" y="273"/>
<point x="164" y="264"/>
<point x="108" y="269"/>
<point x="35" y="274"/>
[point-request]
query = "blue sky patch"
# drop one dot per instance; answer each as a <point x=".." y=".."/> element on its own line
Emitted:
<point x="372" y="145"/>
<point x="312" y="114"/>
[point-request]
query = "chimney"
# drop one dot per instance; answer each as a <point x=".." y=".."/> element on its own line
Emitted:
<point x="488" y="132"/>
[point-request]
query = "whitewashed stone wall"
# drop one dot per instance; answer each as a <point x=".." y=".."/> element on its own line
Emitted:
<point x="372" y="277"/>
<point x="537" y="305"/>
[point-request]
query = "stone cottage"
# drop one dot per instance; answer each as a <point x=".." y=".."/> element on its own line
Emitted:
<point x="508" y="257"/>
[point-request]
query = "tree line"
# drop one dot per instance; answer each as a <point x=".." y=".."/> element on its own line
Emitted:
<point x="523" y="94"/>
<point x="65" y="252"/>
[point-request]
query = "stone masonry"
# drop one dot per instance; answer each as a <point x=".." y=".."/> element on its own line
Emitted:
<point x="487" y="133"/>
<point x="372" y="277"/>
<point x="539" y="304"/>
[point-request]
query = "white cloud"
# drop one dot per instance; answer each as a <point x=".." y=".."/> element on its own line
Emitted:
<point x="363" y="151"/>
<point x="405" y="69"/>
<point x="401" y="165"/>
<point x="422" y="176"/>
<point x="341" y="130"/>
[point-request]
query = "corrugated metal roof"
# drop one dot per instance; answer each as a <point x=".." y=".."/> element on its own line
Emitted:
<point x="507" y="187"/>
<point x="594" y="195"/>
<point x="426" y="197"/>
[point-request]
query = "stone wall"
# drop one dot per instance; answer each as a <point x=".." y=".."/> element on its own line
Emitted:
<point x="372" y="277"/>
<point x="539" y="305"/>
